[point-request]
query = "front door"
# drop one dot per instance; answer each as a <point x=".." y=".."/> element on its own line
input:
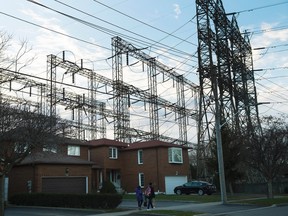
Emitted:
<point x="115" y="178"/>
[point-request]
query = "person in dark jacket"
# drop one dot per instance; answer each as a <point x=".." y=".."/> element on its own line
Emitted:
<point x="139" y="196"/>
<point x="150" y="195"/>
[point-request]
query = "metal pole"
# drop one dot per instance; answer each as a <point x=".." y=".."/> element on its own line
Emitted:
<point x="220" y="156"/>
<point x="219" y="142"/>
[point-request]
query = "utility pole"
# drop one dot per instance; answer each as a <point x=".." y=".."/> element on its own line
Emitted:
<point x="221" y="168"/>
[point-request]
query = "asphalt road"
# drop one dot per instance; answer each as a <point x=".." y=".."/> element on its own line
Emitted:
<point x="215" y="209"/>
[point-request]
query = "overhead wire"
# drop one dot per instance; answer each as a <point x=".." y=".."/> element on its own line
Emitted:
<point x="58" y="1"/>
<point x="106" y="48"/>
<point x="259" y="8"/>
<point x="270" y="47"/>
<point x="260" y="31"/>
<point x="276" y="94"/>
<point x="167" y="33"/>
<point x="109" y="31"/>
<point x="144" y="23"/>
<point x="90" y="15"/>
<point x="157" y="42"/>
<point x="54" y="31"/>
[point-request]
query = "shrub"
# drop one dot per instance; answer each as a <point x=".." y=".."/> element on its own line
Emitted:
<point x="108" y="188"/>
<point x="94" y="201"/>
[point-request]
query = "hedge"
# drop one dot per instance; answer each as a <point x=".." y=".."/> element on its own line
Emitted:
<point x="91" y="201"/>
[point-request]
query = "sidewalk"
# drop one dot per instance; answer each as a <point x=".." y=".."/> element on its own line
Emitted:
<point x="186" y="207"/>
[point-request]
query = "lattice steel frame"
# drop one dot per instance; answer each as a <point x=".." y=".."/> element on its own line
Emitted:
<point x="225" y="61"/>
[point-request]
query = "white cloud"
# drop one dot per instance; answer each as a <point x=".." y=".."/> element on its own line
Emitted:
<point x="177" y="10"/>
<point x="271" y="84"/>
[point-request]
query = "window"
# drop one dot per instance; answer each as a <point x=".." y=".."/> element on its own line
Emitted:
<point x="73" y="150"/>
<point x="113" y="153"/>
<point x="175" y="155"/>
<point x="20" y="147"/>
<point x="51" y="148"/>
<point x="140" y="156"/>
<point x="141" y="179"/>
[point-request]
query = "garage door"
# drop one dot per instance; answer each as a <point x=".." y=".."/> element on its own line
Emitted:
<point x="172" y="181"/>
<point x="64" y="185"/>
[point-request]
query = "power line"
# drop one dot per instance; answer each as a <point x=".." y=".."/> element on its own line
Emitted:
<point x="276" y="94"/>
<point x="117" y="26"/>
<point x="259" y="8"/>
<point x="54" y="31"/>
<point x="270" y="47"/>
<point x="275" y="77"/>
<point x="275" y="68"/>
<point x="278" y="51"/>
<point x="109" y="31"/>
<point x="278" y="28"/>
<point x="169" y="34"/>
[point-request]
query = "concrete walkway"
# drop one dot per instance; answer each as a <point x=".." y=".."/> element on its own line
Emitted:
<point x="186" y="207"/>
<point x="204" y="209"/>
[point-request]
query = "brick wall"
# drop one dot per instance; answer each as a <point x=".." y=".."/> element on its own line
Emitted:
<point x="155" y="167"/>
<point x="18" y="179"/>
<point x="21" y="174"/>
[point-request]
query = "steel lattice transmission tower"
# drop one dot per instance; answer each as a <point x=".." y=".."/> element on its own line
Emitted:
<point x="225" y="62"/>
<point x="122" y="94"/>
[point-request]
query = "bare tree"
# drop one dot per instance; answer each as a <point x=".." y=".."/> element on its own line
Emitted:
<point x="14" y="61"/>
<point x="268" y="152"/>
<point x="22" y="128"/>
<point x="23" y="131"/>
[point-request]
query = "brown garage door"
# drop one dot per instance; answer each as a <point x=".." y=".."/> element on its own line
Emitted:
<point x="64" y="184"/>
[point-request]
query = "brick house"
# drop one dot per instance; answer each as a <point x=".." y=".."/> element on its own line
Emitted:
<point x="81" y="167"/>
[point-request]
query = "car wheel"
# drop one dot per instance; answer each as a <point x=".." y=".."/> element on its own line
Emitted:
<point x="178" y="192"/>
<point x="200" y="192"/>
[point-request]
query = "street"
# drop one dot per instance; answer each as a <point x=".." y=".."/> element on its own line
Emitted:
<point x="215" y="209"/>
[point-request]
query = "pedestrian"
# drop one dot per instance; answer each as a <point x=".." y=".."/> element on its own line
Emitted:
<point x="149" y="196"/>
<point x="152" y="195"/>
<point x="139" y="196"/>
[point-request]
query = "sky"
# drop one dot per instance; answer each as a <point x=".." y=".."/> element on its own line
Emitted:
<point x="165" y="29"/>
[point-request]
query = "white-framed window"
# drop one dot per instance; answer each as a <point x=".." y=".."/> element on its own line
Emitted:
<point x="73" y="150"/>
<point x="175" y="155"/>
<point x="141" y="180"/>
<point x="113" y="153"/>
<point x="140" y="156"/>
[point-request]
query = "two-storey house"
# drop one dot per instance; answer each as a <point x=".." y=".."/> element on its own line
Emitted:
<point x="81" y="167"/>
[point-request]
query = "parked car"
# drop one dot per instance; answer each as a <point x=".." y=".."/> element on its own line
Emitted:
<point x="198" y="187"/>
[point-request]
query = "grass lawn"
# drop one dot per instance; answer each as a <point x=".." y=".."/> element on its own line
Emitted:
<point x="260" y="200"/>
<point x="171" y="212"/>
<point x="190" y="198"/>
<point x="277" y="200"/>
<point x="239" y="198"/>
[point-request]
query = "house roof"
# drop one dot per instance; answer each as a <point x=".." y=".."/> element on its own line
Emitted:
<point x="74" y="141"/>
<point x="125" y="146"/>
<point x="53" y="158"/>
<point x="153" y="144"/>
<point x="107" y="142"/>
